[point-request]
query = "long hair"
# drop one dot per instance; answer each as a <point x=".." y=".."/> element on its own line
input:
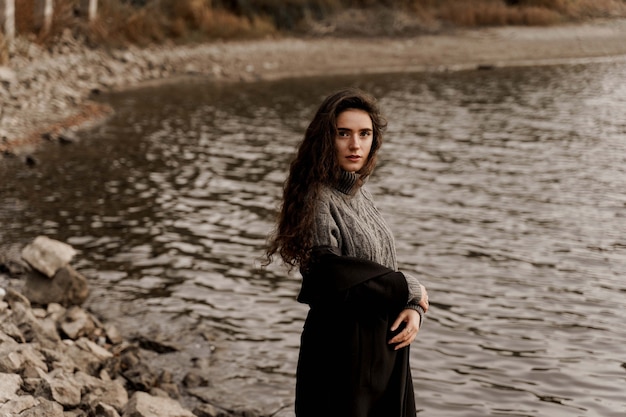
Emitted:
<point x="314" y="166"/>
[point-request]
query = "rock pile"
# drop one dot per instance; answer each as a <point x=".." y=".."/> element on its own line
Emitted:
<point x="59" y="360"/>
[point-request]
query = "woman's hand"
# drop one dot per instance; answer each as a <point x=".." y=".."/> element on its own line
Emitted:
<point x="411" y="320"/>
<point x="424" y="300"/>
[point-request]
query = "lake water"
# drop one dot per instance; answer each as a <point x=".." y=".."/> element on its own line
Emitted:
<point x="504" y="188"/>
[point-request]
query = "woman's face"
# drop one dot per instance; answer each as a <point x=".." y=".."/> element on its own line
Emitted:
<point x="354" y="139"/>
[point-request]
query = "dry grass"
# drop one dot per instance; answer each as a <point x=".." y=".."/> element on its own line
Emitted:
<point x="471" y="13"/>
<point x="579" y="9"/>
<point x="119" y="22"/>
<point x="583" y="9"/>
<point x="521" y="12"/>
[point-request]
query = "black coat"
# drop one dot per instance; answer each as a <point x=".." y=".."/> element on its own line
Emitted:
<point x="346" y="367"/>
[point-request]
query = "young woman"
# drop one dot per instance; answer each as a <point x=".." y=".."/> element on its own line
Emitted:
<point x="364" y="313"/>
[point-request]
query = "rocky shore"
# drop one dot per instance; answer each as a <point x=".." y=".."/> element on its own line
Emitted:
<point x="58" y="360"/>
<point x="45" y="93"/>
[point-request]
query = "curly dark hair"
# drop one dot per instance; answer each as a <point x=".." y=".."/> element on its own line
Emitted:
<point x="316" y="165"/>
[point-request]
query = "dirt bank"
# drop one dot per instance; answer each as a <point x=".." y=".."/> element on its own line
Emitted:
<point x="45" y="94"/>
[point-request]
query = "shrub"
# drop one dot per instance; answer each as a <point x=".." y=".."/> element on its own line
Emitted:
<point x="144" y="21"/>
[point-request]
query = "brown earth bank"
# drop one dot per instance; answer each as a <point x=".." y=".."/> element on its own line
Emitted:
<point x="45" y="94"/>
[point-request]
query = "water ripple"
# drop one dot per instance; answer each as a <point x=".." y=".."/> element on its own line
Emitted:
<point x="504" y="190"/>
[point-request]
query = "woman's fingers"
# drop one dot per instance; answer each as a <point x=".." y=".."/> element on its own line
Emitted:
<point x="404" y="338"/>
<point x="411" y="319"/>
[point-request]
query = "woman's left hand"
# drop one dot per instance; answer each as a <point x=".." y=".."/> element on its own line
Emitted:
<point x="411" y="320"/>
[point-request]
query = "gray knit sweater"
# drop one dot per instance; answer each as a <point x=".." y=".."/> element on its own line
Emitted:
<point x="347" y="218"/>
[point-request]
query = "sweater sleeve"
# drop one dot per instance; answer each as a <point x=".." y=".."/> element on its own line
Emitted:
<point x="415" y="295"/>
<point x="415" y="291"/>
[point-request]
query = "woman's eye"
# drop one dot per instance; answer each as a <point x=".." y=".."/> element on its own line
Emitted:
<point x="366" y="133"/>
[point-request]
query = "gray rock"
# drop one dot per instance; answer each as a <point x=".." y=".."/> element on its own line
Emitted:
<point x="16" y="359"/>
<point x="77" y="323"/>
<point x="59" y="358"/>
<point x="34" y="330"/>
<point x="44" y="408"/>
<point x="83" y="360"/>
<point x="113" y="334"/>
<point x="93" y="348"/>
<point x="10" y="329"/>
<point x="100" y="392"/>
<point x="7" y="75"/>
<point x="142" y="404"/>
<point x="9" y="386"/>
<point x="16" y="406"/>
<point x="68" y="287"/>
<point x="141" y="377"/>
<point x="64" y="389"/>
<point x="195" y="379"/>
<point x="11" y="361"/>
<point x="13" y="296"/>
<point x="105" y="410"/>
<point x="55" y="311"/>
<point x="48" y="255"/>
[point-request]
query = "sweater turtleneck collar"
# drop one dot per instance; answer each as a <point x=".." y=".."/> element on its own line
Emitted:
<point x="348" y="182"/>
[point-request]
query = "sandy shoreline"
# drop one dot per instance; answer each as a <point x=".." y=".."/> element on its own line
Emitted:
<point x="47" y="94"/>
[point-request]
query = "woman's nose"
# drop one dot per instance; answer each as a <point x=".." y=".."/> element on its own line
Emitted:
<point x="354" y="142"/>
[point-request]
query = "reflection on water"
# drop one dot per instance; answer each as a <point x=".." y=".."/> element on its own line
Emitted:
<point x="504" y="189"/>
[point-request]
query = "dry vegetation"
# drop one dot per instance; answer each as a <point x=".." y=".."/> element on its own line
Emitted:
<point x="121" y="22"/>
